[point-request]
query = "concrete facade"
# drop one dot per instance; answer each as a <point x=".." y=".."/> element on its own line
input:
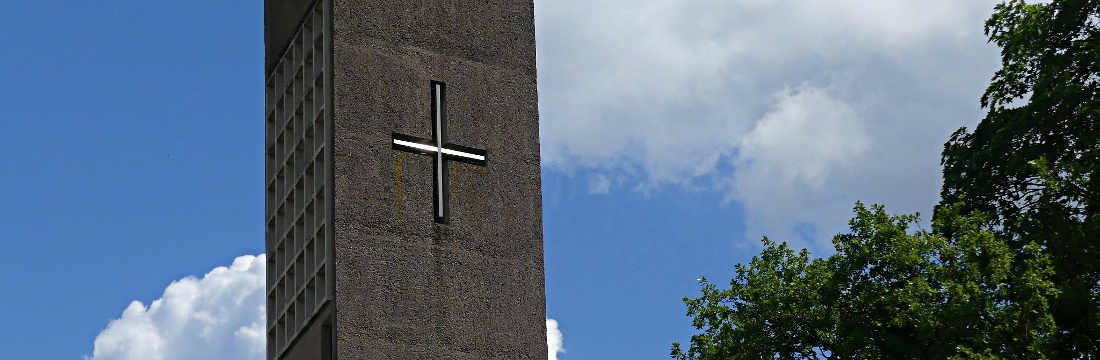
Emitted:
<point x="403" y="285"/>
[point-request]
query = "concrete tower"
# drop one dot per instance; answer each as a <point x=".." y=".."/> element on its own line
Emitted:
<point x="404" y="207"/>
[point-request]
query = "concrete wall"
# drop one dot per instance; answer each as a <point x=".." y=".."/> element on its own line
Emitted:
<point x="408" y="288"/>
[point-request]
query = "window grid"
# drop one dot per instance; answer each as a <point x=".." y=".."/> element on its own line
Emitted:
<point x="299" y="250"/>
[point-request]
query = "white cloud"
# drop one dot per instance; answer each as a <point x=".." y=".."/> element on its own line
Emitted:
<point x="786" y="159"/>
<point x="807" y="136"/>
<point x="220" y="316"/>
<point x="842" y="100"/>
<point x="553" y="340"/>
<point x="599" y="184"/>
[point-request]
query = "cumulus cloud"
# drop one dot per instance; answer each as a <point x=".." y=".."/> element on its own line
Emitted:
<point x="807" y="136"/>
<point x="838" y="100"/>
<point x="553" y="340"/>
<point x="220" y="316"/>
<point x="789" y="155"/>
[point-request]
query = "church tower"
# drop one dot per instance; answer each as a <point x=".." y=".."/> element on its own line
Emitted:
<point x="404" y="216"/>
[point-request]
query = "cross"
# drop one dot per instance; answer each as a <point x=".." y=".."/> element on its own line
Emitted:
<point x="442" y="151"/>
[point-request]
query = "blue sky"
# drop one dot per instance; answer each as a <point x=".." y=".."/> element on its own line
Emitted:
<point x="674" y="133"/>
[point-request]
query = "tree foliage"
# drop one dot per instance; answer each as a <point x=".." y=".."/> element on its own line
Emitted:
<point x="889" y="292"/>
<point x="1032" y="165"/>
<point x="1009" y="268"/>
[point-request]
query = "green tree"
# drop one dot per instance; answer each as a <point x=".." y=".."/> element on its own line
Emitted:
<point x="888" y="292"/>
<point x="1031" y="166"/>
<point x="772" y="307"/>
<point x="1009" y="268"/>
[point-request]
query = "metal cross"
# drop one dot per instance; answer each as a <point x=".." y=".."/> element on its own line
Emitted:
<point x="442" y="151"/>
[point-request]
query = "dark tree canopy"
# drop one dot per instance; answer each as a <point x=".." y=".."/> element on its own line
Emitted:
<point x="1010" y="267"/>
<point x="1031" y="166"/>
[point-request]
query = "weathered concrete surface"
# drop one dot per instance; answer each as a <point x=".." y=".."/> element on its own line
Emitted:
<point x="408" y="288"/>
